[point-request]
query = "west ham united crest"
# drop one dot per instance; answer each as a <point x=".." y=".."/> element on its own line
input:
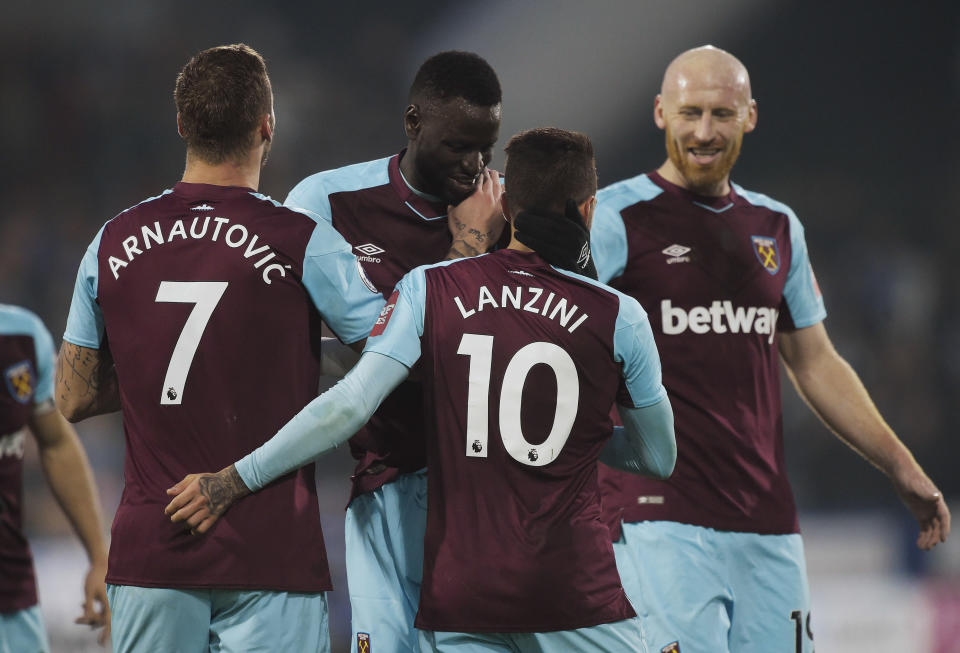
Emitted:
<point x="672" y="647"/>
<point x="767" y="253"/>
<point x="363" y="643"/>
<point x="20" y="380"/>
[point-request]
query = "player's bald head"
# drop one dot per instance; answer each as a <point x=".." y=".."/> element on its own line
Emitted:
<point x="705" y="66"/>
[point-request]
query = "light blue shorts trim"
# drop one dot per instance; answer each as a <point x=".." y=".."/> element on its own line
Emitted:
<point x="625" y="636"/>
<point x="715" y="591"/>
<point x="23" y="632"/>
<point x="152" y="619"/>
<point x="384" y="533"/>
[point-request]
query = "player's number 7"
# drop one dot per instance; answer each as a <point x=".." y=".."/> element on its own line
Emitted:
<point x="205" y="295"/>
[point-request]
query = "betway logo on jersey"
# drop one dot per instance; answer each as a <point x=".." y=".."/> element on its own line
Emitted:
<point x="719" y="317"/>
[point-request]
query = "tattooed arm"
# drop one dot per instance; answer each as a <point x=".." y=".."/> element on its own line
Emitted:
<point x="202" y="498"/>
<point x="86" y="382"/>
<point x="476" y="222"/>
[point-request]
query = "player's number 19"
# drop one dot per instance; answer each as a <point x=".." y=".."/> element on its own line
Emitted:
<point x="480" y="350"/>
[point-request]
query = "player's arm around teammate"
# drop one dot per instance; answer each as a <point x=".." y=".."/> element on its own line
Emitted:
<point x="834" y="391"/>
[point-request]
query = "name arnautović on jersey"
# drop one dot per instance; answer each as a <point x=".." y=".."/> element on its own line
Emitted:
<point x="235" y="235"/>
<point x="525" y="298"/>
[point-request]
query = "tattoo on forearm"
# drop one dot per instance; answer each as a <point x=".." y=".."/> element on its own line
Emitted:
<point x="88" y="376"/>
<point x="222" y="489"/>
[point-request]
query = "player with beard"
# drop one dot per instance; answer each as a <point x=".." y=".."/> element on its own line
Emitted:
<point x="198" y="313"/>
<point x="400" y="212"/>
<point x="712" y="557"/>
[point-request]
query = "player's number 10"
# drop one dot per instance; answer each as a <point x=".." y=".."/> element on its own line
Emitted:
<point x="480" y="350"/>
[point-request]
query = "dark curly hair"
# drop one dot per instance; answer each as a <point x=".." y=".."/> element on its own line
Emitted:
<point x="456" y="74"/>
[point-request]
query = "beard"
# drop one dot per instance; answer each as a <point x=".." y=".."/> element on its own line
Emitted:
<point x="710" y="179"/>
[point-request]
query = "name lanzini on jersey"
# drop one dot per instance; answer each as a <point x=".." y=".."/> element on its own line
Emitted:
<point x="527" y="299"/>
<point x="235" y="236"/>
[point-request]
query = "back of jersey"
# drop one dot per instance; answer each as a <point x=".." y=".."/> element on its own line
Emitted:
<point x="521" y="369"/>
<point x="215" y="336"/>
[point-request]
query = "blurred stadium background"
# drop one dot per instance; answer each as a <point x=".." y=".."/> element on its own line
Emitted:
<point x="858" y="133"/>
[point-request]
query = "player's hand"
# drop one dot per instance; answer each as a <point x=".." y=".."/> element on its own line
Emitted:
<point x="925" y="501"/>
<point x="200" y="499"/>
<point x="96" y="609"/>
<point x="562" y="240"/>
<point x="477" y="222"/>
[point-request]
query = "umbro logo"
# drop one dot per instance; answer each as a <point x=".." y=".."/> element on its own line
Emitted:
<point x="369" y="249"/>
<point x="368" y="253"/>
<point x="202" y="207"/>
<point x="677" y="254"/>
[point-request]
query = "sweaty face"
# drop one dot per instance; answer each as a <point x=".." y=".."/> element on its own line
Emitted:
<point x="452" y="147"/>
<point x="704" y="130"/>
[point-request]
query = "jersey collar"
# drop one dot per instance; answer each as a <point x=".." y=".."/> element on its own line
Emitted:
<point x="421" y="207"/>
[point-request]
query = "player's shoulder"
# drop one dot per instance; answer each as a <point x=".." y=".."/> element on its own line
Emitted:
<point x="627" y="192"/>
<point x="628" y="306"/>
<point x="313" y="192"/>
<point x="765" y="201"/>
<point x="20" y="321"/>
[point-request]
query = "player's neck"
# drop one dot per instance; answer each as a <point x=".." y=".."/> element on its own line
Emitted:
<point x="245" y="174"/>
<point x="517" y="245"/>
<point x="669" y="172"/>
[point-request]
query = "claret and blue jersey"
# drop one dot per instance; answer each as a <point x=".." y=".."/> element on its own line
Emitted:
<point x="520" y="363"/>
<point x="718" y="277"/>
<point x="210" y="299"/>
<point x="26" y="362"/>
<point x="392" y="230"/>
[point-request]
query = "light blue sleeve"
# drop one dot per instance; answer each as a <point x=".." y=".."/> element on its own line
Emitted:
<point x="85" y="320"/>
<point x="310" y="194"/>
<point x="801" y="290"/>
<point x="608" y="242"/>
<point x="398" y="335"/>
<point x="608" y="234"/>
<point x="324" y="423"/>
<point x="646" y="443"/>
<point x="337" y="284"/>
<point x="15" y="320"/>
<point x="635" y="348"/>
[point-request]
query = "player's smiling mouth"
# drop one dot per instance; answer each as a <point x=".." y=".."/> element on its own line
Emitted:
<point x="704" y="155"/>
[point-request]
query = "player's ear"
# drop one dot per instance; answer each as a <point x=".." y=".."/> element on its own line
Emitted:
<point x="179" y="126"/>
<point x="505" y="209"/>
<point x="266" y="127"/>
<point x="586" y="210"/>
<point x="658" y="112"/>
<point x="752" y="117"/>
<point x="412" y="121"/>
